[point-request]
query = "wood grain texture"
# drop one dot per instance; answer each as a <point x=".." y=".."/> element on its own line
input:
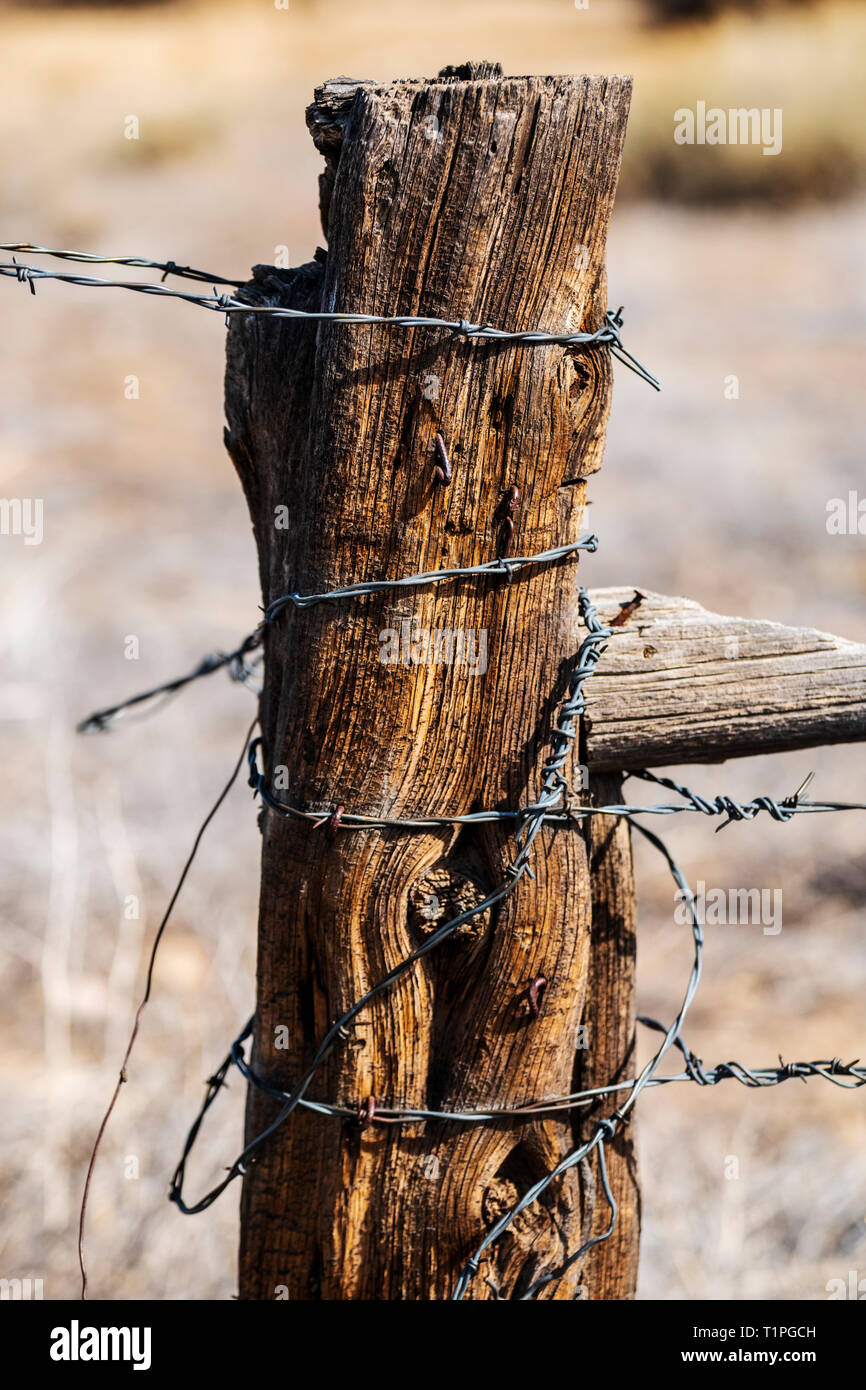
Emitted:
<point x="609" y="1052"/>
<point x="678" y="684"/>
<point x="470" y="195"/>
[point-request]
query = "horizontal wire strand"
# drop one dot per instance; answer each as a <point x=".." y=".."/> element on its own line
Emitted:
<point x="608" y="335"/>
<point x="141" y="262"/>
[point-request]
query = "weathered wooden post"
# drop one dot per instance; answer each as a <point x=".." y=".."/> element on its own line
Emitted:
<point x="486" y="198"/>
<point x="477" y="197"/>
<point x="470" y="199"/>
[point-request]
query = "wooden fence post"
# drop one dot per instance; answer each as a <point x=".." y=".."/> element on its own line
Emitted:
<point x="488" y="198"/>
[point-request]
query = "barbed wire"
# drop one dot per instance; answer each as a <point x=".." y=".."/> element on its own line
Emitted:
<point x="101" y="720"/>
<point x="833" y="1070"/>
<point x="723" y="804"/>
<point x="609" y="335"/>
<point x="564" y="733"/>
<point x="504" y="565"/>
<point x="554" y="805"/>
<point x="555" y="792"/>
<point x="795" y="804"/>
<point x="235" y="661"/>
<point x="88" y="258"/>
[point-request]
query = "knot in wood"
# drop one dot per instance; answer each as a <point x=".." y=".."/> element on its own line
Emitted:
<point x="442" y="894"/>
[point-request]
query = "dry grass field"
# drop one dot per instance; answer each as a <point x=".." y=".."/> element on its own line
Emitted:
<point x="146" y="534"/>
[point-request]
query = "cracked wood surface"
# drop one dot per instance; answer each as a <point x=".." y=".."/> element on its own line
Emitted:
<point x="485" y="197"/>
<point x="679" y="684"/>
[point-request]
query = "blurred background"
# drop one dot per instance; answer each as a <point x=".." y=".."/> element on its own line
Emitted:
<point x="730" y="264"/>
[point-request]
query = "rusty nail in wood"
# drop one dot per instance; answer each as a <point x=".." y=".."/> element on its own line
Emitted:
<point x="507" y="534"/>
<point x="443" y="467"/>
<point x="626" y="609"/>
<point x="366" y="1112"/>
<point x="334" y="822"/>
<point x="533" y="993"/>
<point x="512" y="497"/>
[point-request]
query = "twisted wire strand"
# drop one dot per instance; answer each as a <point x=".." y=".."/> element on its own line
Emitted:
<point x="608" y="335"/>
<point x="145" y="999"/>
<point x="239" y="670"/>
<point x="833" y="1070"/>
<point x="502" y="566"/>
<point x="573" y="813"/>
<point x="141" y="262"/>
<point x="102" y="719"/>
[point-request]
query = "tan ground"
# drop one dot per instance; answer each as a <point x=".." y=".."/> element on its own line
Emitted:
<point x="146" y="534"/>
